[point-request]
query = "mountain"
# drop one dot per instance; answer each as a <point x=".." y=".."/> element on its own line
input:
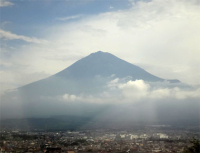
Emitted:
<point x="92" y="88"/>
<point x="88" y="75"/>
<point x="105" y="64"/>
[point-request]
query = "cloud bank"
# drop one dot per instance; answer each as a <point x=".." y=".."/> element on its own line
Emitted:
<point x="133" y="92"/>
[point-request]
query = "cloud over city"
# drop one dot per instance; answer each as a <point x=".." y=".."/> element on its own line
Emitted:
<point x="133" y="92"/>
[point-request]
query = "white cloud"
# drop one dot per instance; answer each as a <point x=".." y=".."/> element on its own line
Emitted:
<point x="70" y="17"/>
<point x="160" y="93"/>
<point x="183" y="94"/>
<point x="140" y="90"/>
<point x="113" y="83"/>
<point x="85" y="98"/>
<point x="5" y="3"/>
<point x="7" y="35"/>
<point x="71" y="97"/>
<point x="134" y="91"/>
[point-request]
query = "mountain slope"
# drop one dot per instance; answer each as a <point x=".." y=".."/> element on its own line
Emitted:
<point x="83" y="76"/>
<point x="105" y="64"/>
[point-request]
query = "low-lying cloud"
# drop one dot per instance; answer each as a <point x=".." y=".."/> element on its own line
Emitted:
<point x="134" y="91"/>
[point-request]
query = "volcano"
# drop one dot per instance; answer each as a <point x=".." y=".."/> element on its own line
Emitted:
<point x="89" y="77"/>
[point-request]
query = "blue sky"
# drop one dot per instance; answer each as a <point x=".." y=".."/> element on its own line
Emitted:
<point x="41" y="37"/>
<point x="29" y="17"/>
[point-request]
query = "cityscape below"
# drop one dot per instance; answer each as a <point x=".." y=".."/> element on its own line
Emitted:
<point x="138" y="139"/>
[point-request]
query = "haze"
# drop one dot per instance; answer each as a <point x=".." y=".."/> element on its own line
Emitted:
<point x="148" y="64"/>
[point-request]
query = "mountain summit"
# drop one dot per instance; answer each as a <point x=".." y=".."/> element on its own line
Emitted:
<point x="105" y="64"/>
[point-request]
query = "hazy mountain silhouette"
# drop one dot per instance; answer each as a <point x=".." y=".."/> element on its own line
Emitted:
<point x="105" y="64"/>
<point x="90" y="76"/>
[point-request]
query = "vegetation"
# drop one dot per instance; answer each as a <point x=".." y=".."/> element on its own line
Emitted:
<point x="195" y="148"/>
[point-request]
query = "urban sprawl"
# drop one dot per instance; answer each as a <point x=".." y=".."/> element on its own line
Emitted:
<point x="149" y="139"/>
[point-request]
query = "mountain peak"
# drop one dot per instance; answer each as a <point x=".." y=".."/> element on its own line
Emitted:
<point x="105" y="64"/>
<point x="99" y="53"/>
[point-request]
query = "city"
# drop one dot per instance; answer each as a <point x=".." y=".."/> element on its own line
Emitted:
<point x="149" y="139"/>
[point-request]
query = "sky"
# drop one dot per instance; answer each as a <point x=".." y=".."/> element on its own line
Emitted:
<point x="39" y="38"/>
